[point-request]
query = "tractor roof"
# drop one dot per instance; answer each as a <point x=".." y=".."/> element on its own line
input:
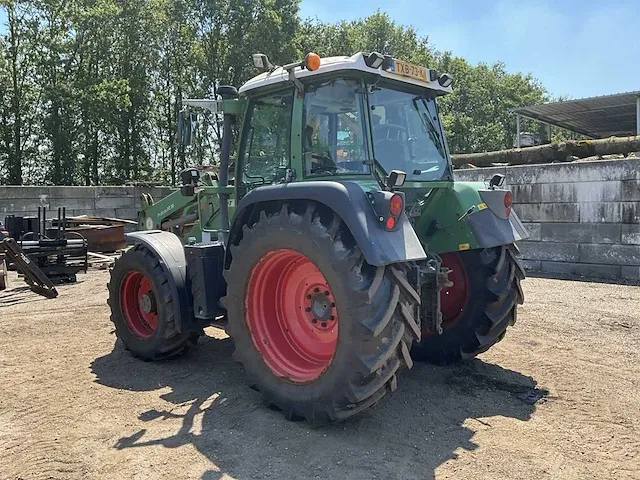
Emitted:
<point x="342" y="64"/>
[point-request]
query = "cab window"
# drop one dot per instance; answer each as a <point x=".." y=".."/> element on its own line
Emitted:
<point x="333" y="133"/>
<point x="268" y="139"/>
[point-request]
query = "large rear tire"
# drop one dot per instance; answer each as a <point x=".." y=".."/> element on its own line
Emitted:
<point x="478" y="308"/>
<point x="143" y="309"/>
<point x="321" y="333"/>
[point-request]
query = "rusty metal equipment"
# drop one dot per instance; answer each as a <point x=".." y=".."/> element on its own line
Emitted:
<point x="33" y="276"/>
<point x="59" y="254"/>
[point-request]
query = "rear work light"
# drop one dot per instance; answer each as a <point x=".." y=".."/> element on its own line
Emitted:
<point x="396" y="204"/>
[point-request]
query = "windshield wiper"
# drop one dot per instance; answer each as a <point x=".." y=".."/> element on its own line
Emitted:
<point x="429" y="170"/>
<point x="433" y="131"/>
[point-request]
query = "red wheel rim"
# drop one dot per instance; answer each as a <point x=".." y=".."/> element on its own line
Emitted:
<point x="454" y="299"/>
<point x="138" y="303"/>
<point x="291" y="315"/>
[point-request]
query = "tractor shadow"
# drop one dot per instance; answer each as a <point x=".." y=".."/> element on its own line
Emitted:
<point x="408" y="435"/>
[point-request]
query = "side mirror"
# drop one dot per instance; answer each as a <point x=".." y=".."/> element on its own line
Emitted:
<point x="187" y="126"/>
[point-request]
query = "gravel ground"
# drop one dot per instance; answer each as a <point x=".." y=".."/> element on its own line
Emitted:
<point x="558" y="398"/>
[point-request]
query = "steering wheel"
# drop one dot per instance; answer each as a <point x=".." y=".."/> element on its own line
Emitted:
<point x="387" y="128"/>
<point x="327" y="167"/>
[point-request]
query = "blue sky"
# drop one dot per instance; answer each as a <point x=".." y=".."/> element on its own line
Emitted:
<point x="575" y="48"/>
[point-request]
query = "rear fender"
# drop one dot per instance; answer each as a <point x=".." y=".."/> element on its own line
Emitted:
<point x="349" y="201"/>
<point x="466" y="217"/>
<point x="169" y="251"/>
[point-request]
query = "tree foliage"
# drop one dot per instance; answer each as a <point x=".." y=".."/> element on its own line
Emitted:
<point x="90" y="89"/>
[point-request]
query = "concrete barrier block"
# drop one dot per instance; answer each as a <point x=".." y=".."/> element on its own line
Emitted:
<point x="534" y="230"/>
<point x="549" y="212"/>
<point x="101" y="192"/>
<point x="158" y="193"/>
<point x="547" y="193"/>
<point x="127" y="213"/>
<point x="556" y="252"/>
<point x="630" y="273"/>
<point x="104" y="212"/>
<point x="73" y="203"/>
<point x="531" y="265"/>
<point x="479" y="174"/>
<point x="582" y="269"/>
<point x="523" y="194"/>
<point x="547" y="173"/>
<point x="115" y="202"/>
<point x="606" y="191"/>
<point x="610" y="254"/>
<point x="624" y="169"/>
<point x="22" y="205"/>
<point x="63" y="193"/>
<point x="15" y="192"/>
<point x="631" y="212"/>
<point x="631" y="190"/>
<point x="630" y="234"/>
<point x="581" y="232"/>
<point x="610" y="212"/>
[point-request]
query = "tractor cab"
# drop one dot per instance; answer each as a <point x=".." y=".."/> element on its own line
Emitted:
<point x="353" y="118"/>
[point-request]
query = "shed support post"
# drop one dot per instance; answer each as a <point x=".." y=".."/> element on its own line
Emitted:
<point x="638" y="116"/>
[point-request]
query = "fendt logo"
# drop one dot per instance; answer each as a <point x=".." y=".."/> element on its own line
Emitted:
<point x="166" y="210"/>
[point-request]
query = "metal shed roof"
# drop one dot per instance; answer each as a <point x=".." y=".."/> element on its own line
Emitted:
<point x="597" y="117"/>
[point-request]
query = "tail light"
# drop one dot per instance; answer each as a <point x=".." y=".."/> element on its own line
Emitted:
<point x="396" y="204"/>
<point x="508" y="200"/>
<point x="390" y="223"/>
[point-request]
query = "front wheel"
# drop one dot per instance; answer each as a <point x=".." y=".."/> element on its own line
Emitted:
<point x="143" y="308"/>
<point x="478" y="308"/>
<point x="321" y="333"/>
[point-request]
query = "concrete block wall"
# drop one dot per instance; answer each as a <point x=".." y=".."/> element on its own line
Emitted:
<point x="583" y="217"/>
<point x="118" y="202"/>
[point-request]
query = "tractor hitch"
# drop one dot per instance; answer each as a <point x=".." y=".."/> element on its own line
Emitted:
<point x="431" y="279"/>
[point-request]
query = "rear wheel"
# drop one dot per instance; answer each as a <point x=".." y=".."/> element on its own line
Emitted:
<point x="321" y="333"/>
<point x="478" y="308"/>
<point x="142" y="307"/>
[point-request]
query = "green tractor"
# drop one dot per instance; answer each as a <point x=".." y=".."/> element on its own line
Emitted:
<point x="335" y="249"/>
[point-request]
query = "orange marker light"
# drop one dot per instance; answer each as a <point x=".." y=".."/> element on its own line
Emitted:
<point x="312" y="61"/>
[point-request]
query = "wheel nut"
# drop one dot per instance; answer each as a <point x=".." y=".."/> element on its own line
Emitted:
<point x="308" y="297"/>
<point x="333" y="305"/>
<point x="308" y="309"/>
<point x="315" y="320"/>
<point x="324" y="324"/>
<point x="316" y="289"/>
<point x="326" y="292"/>
<point x="332" y="317"/>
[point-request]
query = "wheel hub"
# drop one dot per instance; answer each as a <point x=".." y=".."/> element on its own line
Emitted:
<point x="147" y="302"/>
<point x="320" y="308"/>
<point x="138" y="305"/>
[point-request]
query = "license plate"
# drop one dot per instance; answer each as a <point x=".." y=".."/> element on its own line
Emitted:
<point x="409" y="70"/>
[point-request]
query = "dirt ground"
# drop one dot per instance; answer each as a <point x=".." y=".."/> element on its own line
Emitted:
<point x="74" y="405"/>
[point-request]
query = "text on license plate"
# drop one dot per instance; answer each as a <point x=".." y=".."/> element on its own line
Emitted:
<point x="409" y="70"/>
